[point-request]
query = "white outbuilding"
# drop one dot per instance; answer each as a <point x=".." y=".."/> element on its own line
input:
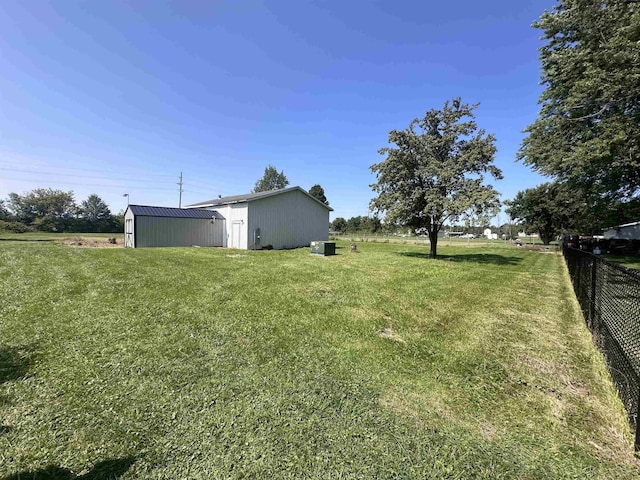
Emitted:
<point x="628" y="231"/>
<point x="285" y="218"/>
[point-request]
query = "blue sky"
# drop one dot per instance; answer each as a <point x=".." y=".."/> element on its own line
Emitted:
<point x="119" y="97"/>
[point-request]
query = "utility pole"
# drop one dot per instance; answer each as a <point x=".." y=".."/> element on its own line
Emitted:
<point x="180" y="183"/>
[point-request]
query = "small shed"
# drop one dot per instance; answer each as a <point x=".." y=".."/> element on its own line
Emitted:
<point x="147" y="226"/>
<point x="628" y="231"/>
<point x="285" y="218"/>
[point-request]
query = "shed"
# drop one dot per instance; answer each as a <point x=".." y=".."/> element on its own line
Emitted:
<point x="628" y="231"/>
<point x="147" y="226"/>
<point x="285" y="218"/>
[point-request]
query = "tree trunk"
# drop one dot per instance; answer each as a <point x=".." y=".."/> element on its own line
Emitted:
<point x="433" y="243"/>
<point x="546" y="237"/>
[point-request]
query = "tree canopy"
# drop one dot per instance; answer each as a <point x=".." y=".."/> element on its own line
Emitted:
<point x="588" y="129"/>
<point x="550" y="209"/>
<point x="360" y="224"/>
<point x="556" y="208"/>
<point x="45" y="208"/>
<point x="339" y="224"/>
<point x="96" y="215"/>
<point x="4" y="212"/>
<point x="435" y="171"/>
<point x="52" y="210"/>
<point x="271" y="180"/>
<point x="318" y="192"/>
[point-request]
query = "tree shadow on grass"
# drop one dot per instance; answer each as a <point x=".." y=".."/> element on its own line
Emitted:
<point x="105" y="470"/>
<point x="483" y="258"/>
<point x="14" y="365"/>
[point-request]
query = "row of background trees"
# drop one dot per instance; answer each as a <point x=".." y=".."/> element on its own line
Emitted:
<point x="373" y="225"/>
<point x="358" y="224"/>
<point x="49" y="210"/>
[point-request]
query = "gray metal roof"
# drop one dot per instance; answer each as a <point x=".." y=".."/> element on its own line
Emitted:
<point x="248" y="197"/>
<point x="632" y="224"/>
<point x="149" y="211"/>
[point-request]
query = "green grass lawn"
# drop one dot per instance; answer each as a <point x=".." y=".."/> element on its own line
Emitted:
<point x="629" y="261"/>
<point x="51" y="236"/>
<point x="216" y="363"/>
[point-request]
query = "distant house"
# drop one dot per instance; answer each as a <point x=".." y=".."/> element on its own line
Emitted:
<point x="285" y="218"/>
<point x="147" y="226"/>
<point x="628" y="231"/>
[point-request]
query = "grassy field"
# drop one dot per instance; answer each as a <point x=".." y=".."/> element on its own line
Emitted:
<point x="629" y="261"/>
<point x="216" y="363"/>
<point x="52" y="237"/>
<point x="444" y="241"/>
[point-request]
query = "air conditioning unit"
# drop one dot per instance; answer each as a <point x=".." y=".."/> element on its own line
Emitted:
<point x="323" y="248"/>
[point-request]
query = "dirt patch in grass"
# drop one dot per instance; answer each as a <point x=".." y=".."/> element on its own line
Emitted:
<point x="424" y="408"/>
<point x="541" y="248"/>
<point x="93" y="242"/>
<point x="390" y="334"/>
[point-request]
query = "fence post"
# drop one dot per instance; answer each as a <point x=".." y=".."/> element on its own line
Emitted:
<point x="636" y="444"/>
<point x="592" y="306"/>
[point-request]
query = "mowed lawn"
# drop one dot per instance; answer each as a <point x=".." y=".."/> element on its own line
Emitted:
<point x="216" y="363"/>
<point x="628" y="261"/>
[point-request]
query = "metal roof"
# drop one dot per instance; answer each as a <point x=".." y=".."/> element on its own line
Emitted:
<point x="248" y="197"/>
<point x="149" y="211"/>
<point x="617" y="227"/>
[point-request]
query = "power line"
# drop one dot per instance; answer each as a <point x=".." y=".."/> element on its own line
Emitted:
<point x="206" y="191"/>
<point x="202" y="185"/>
<point x="199" y="187"/>
<point x="102" y="177"/>
<point x="94" y="170"/>
<point x="136" y="187"/>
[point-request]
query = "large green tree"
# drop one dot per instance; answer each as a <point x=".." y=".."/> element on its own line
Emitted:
<point x="435" y="171"/>
<point x="4" y="211"/>
<point x="556" y="208"/>
<point x="44" y="208"/>
<point x="95" y="215"/>
<point x="339" y="224"/>
<point x="318" y="192"/>
<point x="588" y="129"/>
<point x="271" y="180"/>
<point x="371" y="224"/>
<point x="548" y="209"/>
<point x="354" y="224"/>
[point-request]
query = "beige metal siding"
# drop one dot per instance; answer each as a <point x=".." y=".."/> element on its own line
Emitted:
<point x="178" y="232"/>
<point x="288" y="220"/>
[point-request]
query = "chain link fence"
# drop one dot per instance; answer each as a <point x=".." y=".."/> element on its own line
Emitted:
<point x="609" y="296"/>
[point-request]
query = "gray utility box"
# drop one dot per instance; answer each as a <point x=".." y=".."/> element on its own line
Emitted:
<point x="323" y="248"/>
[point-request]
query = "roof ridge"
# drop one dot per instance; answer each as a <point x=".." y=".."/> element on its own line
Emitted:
<point x="254" y="196"/>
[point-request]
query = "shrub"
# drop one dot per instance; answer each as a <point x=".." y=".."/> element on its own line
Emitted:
<point x="15" y="227"/>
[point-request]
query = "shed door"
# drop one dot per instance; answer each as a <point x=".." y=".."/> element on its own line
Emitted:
<point x="128" y="233"/>
<point x="236" y="229"/>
